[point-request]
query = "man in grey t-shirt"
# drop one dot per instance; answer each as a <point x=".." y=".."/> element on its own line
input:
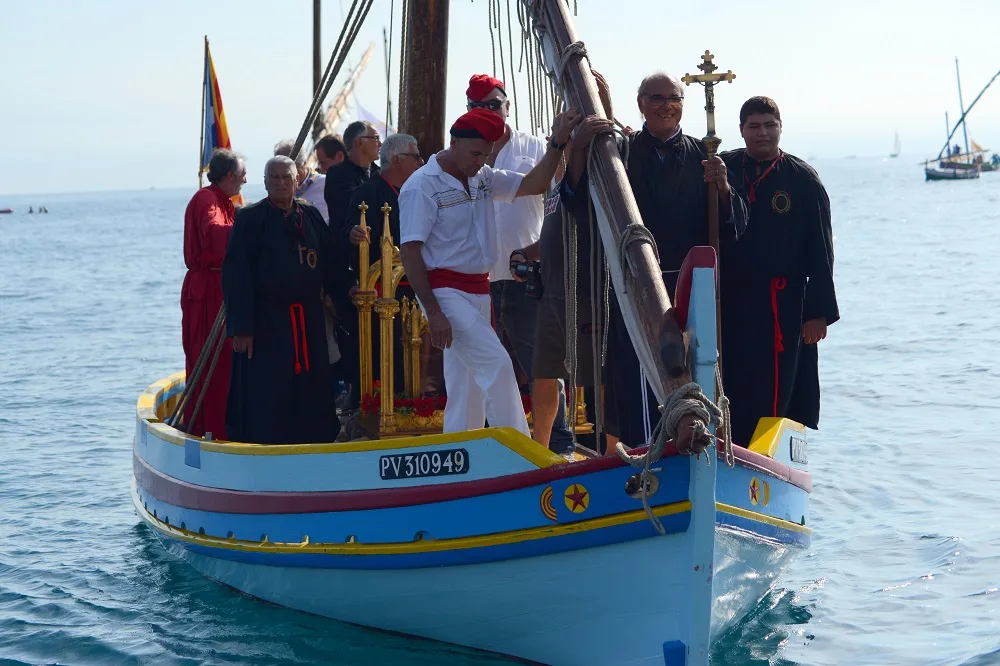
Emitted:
<point x="550" y="364"/>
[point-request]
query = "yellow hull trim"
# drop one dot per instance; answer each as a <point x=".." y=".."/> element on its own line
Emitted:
<point x="762" y="518"/>
<point x="517" y="442"/>
<point x="423" y="546"/>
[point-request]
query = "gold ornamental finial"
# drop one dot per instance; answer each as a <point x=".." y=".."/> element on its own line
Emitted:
<point x="386" y="231"/>
<point x="363" y="256"/>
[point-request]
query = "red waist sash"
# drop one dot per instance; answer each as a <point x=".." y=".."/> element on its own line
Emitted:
<point x="470" y="283"/>
<point x="378" y="287"/>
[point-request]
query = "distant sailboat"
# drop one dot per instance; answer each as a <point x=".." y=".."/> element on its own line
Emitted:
<point x="895" y="147"/>
<point x="954" y="164"/>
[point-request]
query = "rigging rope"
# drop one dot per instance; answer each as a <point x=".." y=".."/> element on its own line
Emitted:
<point x="199" y="366"/>
<point x="496" y="18"/>
<point x="688" y="400"/>
<point x="513" y="78"/>
<point x="388" y="71"/>
<point x="401" y="98"/>
<point x="493" y="46"/>
<point x="570" y="258"/>
<point x="347" y="37"/>
<point x="635" y="232"/>
<point x="329" y="68"/>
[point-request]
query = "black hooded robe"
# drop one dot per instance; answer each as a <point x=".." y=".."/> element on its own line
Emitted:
<point x="275" y="266"/>
<point x="668" y="182"/>
<point x="777" y="277"/>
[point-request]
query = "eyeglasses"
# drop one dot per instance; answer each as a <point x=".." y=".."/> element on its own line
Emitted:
<point x="377" y="138"/>
<point x="492" y="104"/>
<point x="660" y="100"/>
<point x="416" y="156"/>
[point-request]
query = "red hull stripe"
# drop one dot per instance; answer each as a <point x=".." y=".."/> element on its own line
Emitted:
<point x="180" y="493"/>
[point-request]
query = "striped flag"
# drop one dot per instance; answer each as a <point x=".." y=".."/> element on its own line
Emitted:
<point x="216" y="132"/>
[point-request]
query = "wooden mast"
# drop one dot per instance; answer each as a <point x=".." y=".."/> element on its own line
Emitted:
<point x="422" y="102"/>
<point x="318" y="125"/>
<point x="961" y="107"/>
<point x="638" y="282"/>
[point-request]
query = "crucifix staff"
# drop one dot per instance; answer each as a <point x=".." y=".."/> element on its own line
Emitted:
<point x="709" y="78"/>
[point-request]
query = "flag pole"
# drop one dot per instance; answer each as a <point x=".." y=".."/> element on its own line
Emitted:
<point x="204" y="84"/>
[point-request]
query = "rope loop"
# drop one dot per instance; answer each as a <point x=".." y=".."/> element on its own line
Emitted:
<point x="688" y="400"/>
<point x="635" y="232"/>
<point x="574" y="49"/>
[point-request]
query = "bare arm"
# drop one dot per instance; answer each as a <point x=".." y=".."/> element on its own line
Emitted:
<point x="416" y="273"/>
<point x="537" y="180"/>
<point x="531" y="252"/>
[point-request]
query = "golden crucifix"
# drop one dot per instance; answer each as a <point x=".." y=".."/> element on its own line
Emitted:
<point x="709" y="78"/>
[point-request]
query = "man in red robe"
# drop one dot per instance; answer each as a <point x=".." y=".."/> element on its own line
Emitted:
<point x="208" y="222"/>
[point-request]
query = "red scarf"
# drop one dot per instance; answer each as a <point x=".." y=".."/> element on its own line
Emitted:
<point x="752" y="187"/>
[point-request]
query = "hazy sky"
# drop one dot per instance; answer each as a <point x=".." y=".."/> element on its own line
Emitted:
<point x="107" y="95"/>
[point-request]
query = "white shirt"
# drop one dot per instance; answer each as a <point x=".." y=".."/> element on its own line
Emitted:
<point x="457" y="228"/>
<point x="519" y="223"/>
<point x="311" y="190"/>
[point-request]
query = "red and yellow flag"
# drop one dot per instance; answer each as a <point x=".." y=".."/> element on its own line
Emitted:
<point x="216" y="132"/>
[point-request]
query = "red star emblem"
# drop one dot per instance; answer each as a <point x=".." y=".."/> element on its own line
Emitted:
<point x="577" y="498"/>
<point x="754" y="490"/>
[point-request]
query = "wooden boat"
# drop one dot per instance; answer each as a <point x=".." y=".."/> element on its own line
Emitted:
<point x="958" y="165"/>
<point x="485" y="538"/>
<point x="950" y="171"/>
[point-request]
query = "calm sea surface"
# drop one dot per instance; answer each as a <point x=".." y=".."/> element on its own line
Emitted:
<point x="905" y="561"/>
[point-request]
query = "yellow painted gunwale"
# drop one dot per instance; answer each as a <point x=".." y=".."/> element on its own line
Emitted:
<point x="762" y="518"/>
<point x="403" y="548"/>
<point x="768" y="434"/>
<point x="523" y="446"/>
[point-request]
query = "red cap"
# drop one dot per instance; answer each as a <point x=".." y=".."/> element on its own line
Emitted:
<point x="481" y="85"/>
<point x="479" y="124"/>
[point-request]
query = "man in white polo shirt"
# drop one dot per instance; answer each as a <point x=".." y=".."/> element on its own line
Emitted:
<point x="448" y="245"/>
<point x="519" y="224"/>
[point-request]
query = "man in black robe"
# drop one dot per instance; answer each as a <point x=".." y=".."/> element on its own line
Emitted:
<point x="777" y="282"/>
<point x="280" y="256"/>
<point x="399" y="157"/>
<point x="669" y="173"/>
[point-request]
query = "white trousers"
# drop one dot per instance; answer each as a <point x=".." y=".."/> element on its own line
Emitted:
<point x="478" y="374"/>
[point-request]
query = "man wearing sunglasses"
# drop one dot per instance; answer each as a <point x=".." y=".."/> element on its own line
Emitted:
<point x="363" y="143"/>
<point x="519" y="224"/>
<point x="669" y="173"/>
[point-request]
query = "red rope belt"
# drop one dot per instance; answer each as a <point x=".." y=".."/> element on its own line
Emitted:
<point x="777" y="284"/>
<point x="298" y="315"/>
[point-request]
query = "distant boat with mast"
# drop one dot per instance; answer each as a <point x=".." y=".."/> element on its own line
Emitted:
<point x="895" y="147"/>
<point x="953" y="164"/>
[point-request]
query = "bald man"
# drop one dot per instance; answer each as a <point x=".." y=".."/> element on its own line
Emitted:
<point x="669" y="173"/>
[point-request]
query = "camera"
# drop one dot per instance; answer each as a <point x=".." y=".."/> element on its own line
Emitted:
<point x="530" y="272"/>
